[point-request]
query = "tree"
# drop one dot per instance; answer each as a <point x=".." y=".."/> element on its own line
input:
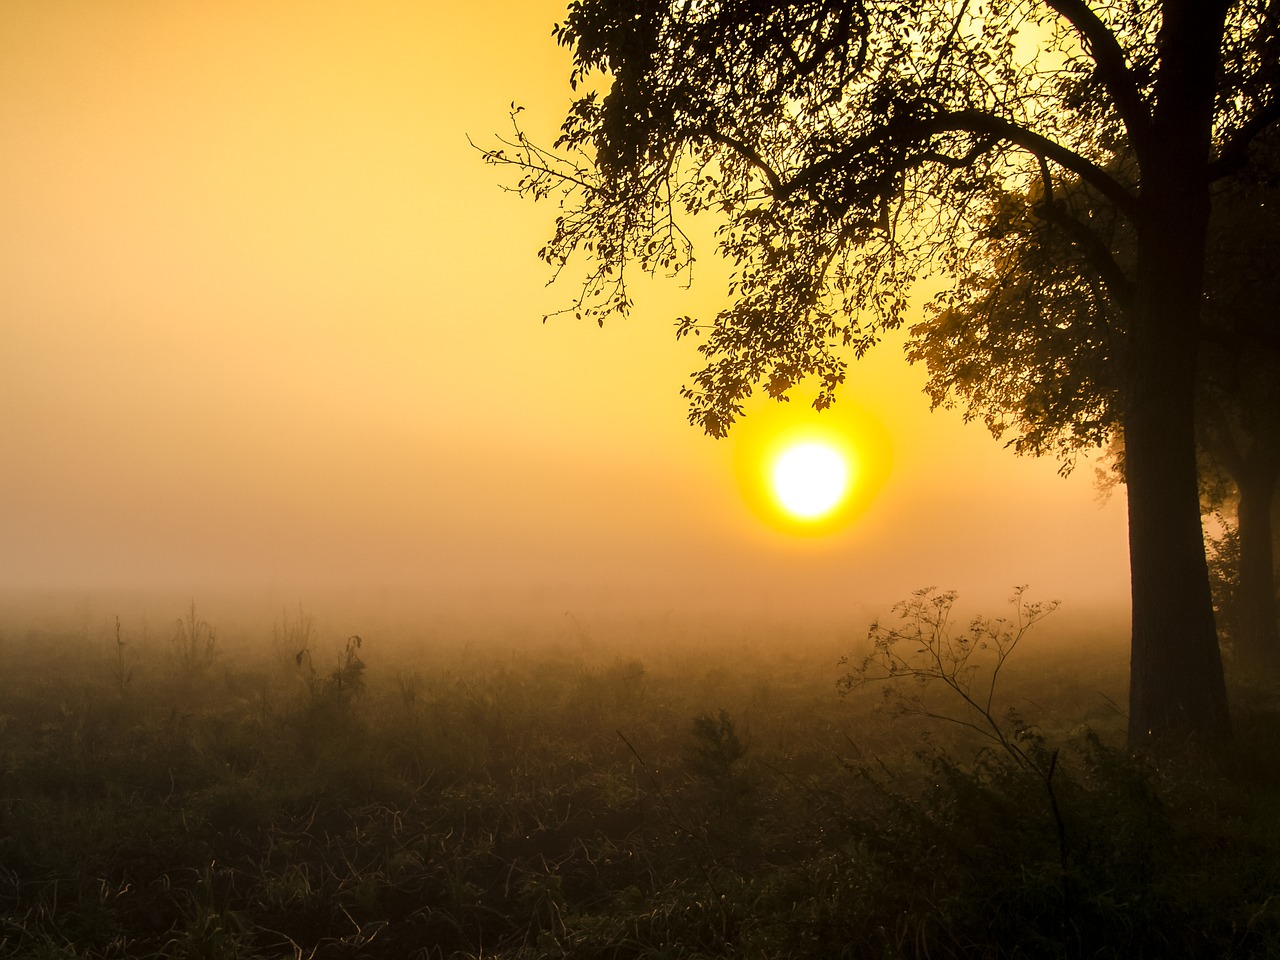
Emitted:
<point x="1240" y="385"/>
<point x="844" y="146"/>
<point x="1038" y="352"/>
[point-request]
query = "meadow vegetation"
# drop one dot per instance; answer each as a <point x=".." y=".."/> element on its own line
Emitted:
<point x="938" y="793"/>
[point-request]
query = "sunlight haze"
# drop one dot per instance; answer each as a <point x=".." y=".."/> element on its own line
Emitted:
<point x="268" y="323"/>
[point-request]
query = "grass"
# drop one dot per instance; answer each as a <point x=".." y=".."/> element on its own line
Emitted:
<point x="169" y="800"/>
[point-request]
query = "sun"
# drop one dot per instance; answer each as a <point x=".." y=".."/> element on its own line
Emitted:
<point x="810" y="474"/>
<point x="810" y="479"/>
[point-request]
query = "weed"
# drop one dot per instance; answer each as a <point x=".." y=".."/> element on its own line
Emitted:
<point x="121" y="672"/>
<point x="1069" y="850"/>
<point x="923" y="652"/>
<point x="342" y="685"/>
<point x="347" y="680"/>
<point x="194" y="644"/>
<point x="211" y="929"/>
<point x="291" y="638"/>
<point x="716" y="747"/>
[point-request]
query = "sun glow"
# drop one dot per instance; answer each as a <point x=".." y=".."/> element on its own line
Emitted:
<point x="810" y="474"/>
<point x="810" y="479"/>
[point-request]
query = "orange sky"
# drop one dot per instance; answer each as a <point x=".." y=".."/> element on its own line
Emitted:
<point x="266" y="320"/>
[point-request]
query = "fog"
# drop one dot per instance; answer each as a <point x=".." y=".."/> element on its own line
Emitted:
<point x="272" y="337"/>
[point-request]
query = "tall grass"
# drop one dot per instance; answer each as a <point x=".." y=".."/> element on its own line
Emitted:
<point x="322" y="801"/>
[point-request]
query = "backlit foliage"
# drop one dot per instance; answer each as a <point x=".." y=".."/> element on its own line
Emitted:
<point x="845" y="151"/>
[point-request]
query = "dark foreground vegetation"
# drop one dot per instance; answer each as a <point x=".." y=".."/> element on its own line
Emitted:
<point x="167" y="798"/>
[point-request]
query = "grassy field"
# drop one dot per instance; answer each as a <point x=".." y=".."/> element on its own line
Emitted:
<point x="175" y="797"/>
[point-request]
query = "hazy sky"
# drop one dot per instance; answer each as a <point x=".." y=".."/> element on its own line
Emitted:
<point x="266" y="320"/>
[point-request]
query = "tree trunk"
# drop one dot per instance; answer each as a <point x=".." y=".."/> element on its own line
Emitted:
<point x="1259" y="641"/>
<point x="1176" y="682"/>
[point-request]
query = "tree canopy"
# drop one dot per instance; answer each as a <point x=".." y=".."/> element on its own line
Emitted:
<point x="1037" y="353"/>
<point x="849" y="150"/>
<point x="1035" y="349"/>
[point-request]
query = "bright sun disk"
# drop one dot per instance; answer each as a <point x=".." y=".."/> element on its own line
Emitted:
<point x="810" y="479"/>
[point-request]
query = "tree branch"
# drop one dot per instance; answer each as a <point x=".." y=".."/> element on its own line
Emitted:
<point x="1235" y="151"/>
<point x="1106" y="52"/>
<point x="976" y="122"/>
<point x="1096" y="253"/>
<point x="750" y="154"/>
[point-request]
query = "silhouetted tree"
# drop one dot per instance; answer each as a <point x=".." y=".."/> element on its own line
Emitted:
<point x="1239" y="388"/>
<point x="844" y="145"/>
<point x="1038" y="351"/>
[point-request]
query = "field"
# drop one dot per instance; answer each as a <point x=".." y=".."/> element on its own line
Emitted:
<point x="303" y="796"/>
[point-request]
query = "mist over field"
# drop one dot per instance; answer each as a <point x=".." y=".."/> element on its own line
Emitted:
<point x="471" y="775"/>
<point x="603" y="620"/>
